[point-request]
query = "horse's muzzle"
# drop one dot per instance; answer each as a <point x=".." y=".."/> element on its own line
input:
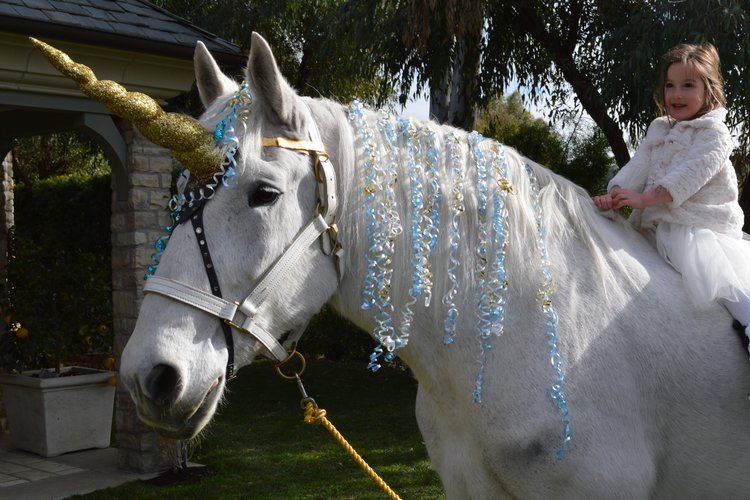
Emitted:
<point x="161" y="403"/>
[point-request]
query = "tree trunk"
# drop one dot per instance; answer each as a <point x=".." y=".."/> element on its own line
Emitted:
<point x="459" y="101"/>
<point x="440" y="93"/>
<point x="453" y="101"/>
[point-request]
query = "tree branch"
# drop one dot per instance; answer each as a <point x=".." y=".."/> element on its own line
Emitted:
<point x="587" y="94"/>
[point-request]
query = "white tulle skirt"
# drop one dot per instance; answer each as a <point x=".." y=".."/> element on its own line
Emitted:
<point x="713" y="265"/>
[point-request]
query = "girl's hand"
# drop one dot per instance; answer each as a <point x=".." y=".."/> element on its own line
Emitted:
<point x="604" y="202"/>
<point x="626" y="197"/>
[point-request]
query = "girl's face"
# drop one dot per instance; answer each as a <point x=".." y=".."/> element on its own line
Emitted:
<point x="684" y="92"/>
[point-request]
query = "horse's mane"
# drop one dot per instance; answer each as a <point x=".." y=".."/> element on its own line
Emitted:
<point x="567" y="210"/>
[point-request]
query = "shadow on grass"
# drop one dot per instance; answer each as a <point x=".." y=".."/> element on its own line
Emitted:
<point x="259" y="447"/>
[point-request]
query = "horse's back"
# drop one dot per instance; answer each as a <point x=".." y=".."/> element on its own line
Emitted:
<point x="677" y="380"/>
<point x="658" y="395"/>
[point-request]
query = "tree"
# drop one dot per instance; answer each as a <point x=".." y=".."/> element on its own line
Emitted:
<point x="581" y="154"/>
<point x="596" y="55"/>
<point x="553" y="46"/>
<point x="415" y="45"/>
<point x="309" y="54"/>
<point x="603" y="53"/>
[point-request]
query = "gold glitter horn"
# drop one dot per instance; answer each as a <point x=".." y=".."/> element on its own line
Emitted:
<point x="190" y="143"/>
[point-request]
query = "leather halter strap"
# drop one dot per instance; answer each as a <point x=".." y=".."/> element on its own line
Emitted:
<point x="241" y="316"/>
<point x="213" y="281"/>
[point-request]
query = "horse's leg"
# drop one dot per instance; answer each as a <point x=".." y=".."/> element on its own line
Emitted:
<point x="450" y="444"/>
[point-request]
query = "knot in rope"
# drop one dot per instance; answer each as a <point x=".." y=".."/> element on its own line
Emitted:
<point x="314" y="414"/>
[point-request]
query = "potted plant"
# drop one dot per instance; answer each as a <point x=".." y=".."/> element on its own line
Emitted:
<point x="55" y="349"/>
<point x="55" y="410"/>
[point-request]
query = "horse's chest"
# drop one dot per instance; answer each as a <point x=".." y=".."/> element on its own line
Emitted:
<point x="481" y="457"/>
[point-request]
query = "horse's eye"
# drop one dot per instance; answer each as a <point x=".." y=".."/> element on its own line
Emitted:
<point x="263" y="196"/>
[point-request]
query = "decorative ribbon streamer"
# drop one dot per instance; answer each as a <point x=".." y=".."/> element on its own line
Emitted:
<point x="457" y="208"/>
<point x="480" y="269"/>
<point x="382" y="231"/>
<point x="432" y="197"/>
<point x="409" y="132"/>
<point x="548" y="309"/>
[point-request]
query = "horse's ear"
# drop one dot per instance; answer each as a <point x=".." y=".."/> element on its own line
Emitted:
<point x="212" y="83"/>
<point x="273" y="94"/>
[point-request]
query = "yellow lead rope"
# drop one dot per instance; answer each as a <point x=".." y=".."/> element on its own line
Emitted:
<point x="315" y="415"/>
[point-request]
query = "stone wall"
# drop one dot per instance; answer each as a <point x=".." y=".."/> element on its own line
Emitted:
<point x="136" y="224"/>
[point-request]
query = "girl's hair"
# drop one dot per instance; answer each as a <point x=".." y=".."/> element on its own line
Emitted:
<point x="705" y="62"/>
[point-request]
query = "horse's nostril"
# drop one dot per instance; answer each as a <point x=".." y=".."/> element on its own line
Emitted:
<point x="162" y="384"/>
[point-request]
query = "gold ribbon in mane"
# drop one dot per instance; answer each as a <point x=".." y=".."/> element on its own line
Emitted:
<point x="191" y="144"/>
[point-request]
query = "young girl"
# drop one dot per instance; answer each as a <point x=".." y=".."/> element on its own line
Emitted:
<point x="682" y="186"/>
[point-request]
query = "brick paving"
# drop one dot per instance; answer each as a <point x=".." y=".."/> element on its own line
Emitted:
<point x="19" y="468"/>
<point x="28" y="476"/>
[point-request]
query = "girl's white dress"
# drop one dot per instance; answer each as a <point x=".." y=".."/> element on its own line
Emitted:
<point x="700" y="232"/>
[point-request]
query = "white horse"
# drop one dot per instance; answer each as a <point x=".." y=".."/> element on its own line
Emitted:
<point x="656" y="393"/>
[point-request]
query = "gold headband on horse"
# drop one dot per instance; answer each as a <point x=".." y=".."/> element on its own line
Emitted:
<point x="191" y="144"/>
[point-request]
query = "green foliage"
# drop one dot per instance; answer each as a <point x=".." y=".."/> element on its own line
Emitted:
<point x="410" y="44"/>
<point x="59" y="272"/>
<point x="334" y="338"/>
<point x="582" y="157"/>
<point x="41" y="157"/>
<point x="506" y="119"/>
<point x="311" y="56"/>
<point x="589" y="162"/>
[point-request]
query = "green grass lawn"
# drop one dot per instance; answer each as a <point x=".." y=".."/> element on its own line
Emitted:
<point x="259" y="447"/>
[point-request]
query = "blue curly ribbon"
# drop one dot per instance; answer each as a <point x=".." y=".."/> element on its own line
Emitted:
<point x="382" y="230"/>
<point x="408" y="131"/>
<point x="480" y="267"/>
<point x="453" y="149"/>
<point x="225" y="136"/>
<point x="556" y="391"/>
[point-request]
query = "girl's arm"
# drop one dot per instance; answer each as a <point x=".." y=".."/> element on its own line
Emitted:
<point x="634" y="174"/>
<point x="625" y="197"/>
<point x="707" y="155"/>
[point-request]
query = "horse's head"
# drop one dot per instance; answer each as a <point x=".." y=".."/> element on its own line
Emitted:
<point x="267" y="237"/>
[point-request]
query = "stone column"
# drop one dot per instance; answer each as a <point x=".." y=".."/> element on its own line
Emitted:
<point x="6" y="222"/>
<point x="136" y="224"/>
<point x="6" y="216"/>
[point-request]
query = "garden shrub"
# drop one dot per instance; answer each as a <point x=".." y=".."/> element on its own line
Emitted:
<point x="59" y="272"/>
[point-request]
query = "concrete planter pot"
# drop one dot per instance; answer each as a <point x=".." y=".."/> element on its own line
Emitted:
<point x="51" y="416"/>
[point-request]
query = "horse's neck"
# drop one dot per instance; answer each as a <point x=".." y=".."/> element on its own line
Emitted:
<point x="572" y="235"/>
<point x="428" y="322"/>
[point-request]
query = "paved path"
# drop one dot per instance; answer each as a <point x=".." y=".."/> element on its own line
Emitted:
<point x="25" y="476"/>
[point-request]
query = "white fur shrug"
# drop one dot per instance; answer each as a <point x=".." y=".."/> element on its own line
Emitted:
<point x="690" y="159"/>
